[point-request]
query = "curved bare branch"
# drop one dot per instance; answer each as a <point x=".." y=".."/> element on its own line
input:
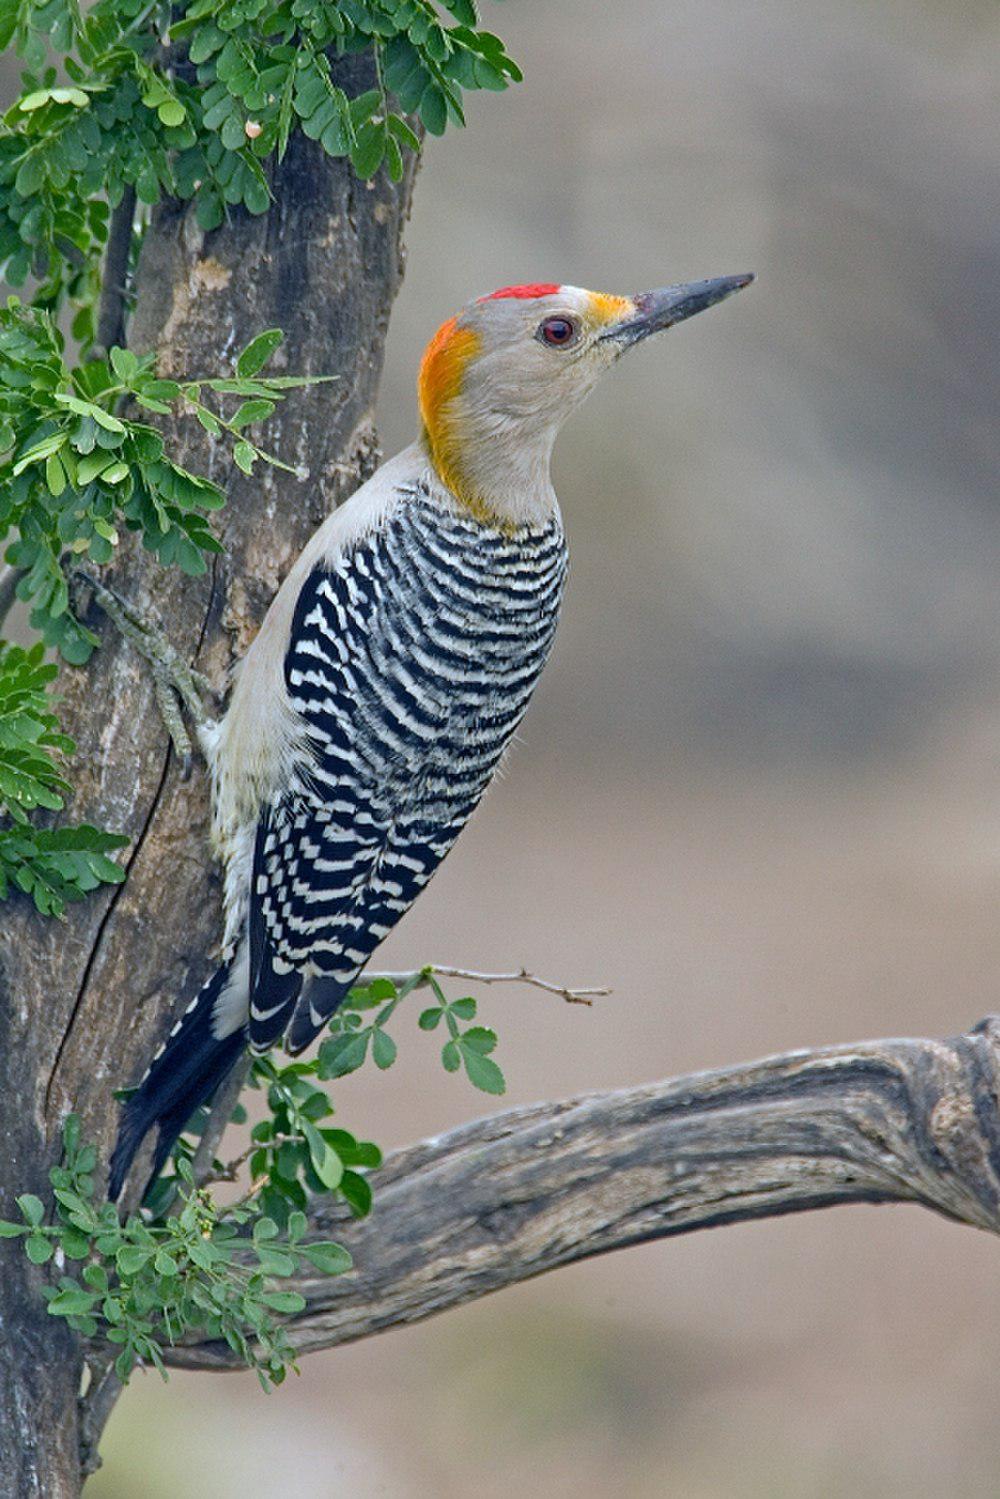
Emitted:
<point x="507" y="1198"/>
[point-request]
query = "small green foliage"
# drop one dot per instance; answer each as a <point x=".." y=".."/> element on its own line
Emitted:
<point x="467" y="1046"/>
<point x="186" y="1265"/>
<point x="204" y="119"/>
<point x="296" y="1152"/>
<point x="194" y="101"/>
<point x="75" y="468"/>
<point x="52" y="865"/>
<point x="141" y="1284"/>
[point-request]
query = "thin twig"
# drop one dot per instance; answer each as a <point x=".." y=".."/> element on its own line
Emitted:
<point x="421" y="977"/>
<point x="231" y="1170"/>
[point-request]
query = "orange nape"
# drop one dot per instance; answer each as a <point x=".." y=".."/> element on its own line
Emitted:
<point x="439" y="382"/>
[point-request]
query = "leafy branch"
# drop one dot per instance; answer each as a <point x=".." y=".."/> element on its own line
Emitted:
<point x="184" y="1266"/>
<point x="295" y="1152"/>
<point x="143" y="1284"/>
<point x="74" y="466"/>
<point x="204" y="115"/>
<point x="52" y="865"/>
<point x="74" y="469"/>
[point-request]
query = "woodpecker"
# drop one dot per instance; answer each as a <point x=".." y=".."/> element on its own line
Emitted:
<point x="394" y="665"/>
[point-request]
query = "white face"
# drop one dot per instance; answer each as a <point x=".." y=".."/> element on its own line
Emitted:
<point x="497" y="381"/>
<point x="539" y="356"/>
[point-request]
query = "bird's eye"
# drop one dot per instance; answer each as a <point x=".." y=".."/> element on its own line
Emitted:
<point x="557" y="331"/>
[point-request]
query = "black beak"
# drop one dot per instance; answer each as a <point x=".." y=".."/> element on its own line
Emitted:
<point x="667" y="305"/>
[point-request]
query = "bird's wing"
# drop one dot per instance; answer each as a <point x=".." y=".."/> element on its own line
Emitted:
<point x="342" y="851"/>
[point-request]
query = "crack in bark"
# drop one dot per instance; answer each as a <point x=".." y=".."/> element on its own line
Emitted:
<point x="116" y="895"/>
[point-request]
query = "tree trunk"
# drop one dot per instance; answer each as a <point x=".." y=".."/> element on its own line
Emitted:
<point x="83" y="1003"/>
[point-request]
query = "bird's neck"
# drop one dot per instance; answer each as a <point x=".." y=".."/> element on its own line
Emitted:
<point x="499" y="475"/>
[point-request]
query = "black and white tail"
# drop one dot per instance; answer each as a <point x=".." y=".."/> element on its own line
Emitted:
<point x="200" y="1051"/>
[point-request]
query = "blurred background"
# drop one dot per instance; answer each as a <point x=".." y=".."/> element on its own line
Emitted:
<point x="758" y="789"/>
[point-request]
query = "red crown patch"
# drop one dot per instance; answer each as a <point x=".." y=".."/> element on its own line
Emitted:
<point x="536" y="289"/>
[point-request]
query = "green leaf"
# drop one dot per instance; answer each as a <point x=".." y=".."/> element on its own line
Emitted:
<point x="329" y="1258"/>
<point x="480" y="1038"/>
<point x="87" y="408"/>
<point x="172" y="112"/>
<point x="32" y="1207"/>
<point x="383" y="1049"/>
<point x="450" y="1057"/>
<point x="209" y="421"/>
<point x="132" y="1257"/>
<point x="434" y="110"/>
<point x="38" y="1248"/>
<point x="12" y="1230"/>
<point x="258" y="351"/>
<point x="75" y="1246"/>
<point x="463" y="10"/>
<point x="482" y="1072"/>
<point x="244" y="456"/>
<point x="287" y="1302"/>
<point x="325" y="1161"/>
<point x="398" y="127"/>
<point x="250" y="412"/>
<point x="368" y="150"/>
<point x="275" y="1261"/>
<point x="357" y="1193"/>
<point x="124" y="363"/>
<point x="55" y="475"/>
<point x="38" y="451"/>
<point x="377" y="992"/>
<point x="40" y="97"/>
<point x="71" y="1303"/>
<point x="342" y="1054"/>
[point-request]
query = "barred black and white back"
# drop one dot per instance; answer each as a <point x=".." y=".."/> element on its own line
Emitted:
<point x="411" y="636"/>
<point x="411" y="662"/>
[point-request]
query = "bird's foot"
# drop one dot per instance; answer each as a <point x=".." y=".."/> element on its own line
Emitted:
<point x="177" y="685"/>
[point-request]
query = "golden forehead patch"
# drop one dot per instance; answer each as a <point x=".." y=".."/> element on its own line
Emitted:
<point x="608" y="309"/>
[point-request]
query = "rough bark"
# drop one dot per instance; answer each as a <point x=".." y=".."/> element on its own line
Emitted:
<point x="510" y="1197"/>
<point x="83" y="1002"/>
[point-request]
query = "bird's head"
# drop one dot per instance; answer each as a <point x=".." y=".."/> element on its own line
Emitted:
<point x="498" y="380"/>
